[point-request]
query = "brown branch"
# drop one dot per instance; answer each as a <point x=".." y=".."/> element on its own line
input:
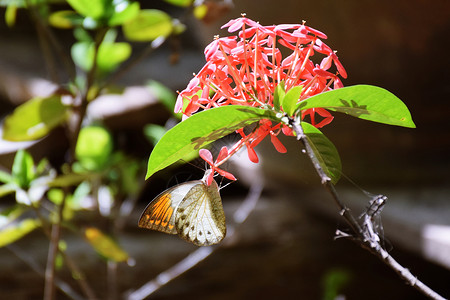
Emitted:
<point x="81" y="278"/>
<point x="49" y="288"/>
<point x="47" y="38"/>
<point x="361" y="235"/>
<point x="26" y="258"/>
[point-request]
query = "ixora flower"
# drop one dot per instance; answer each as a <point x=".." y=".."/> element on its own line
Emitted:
<point x="247" y="68"/>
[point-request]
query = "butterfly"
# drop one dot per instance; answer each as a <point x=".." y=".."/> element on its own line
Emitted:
<point x="192" y="209"/>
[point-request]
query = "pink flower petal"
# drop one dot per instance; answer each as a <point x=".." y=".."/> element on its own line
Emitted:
<point x="222" y="154"/>
<point x="226" y="174"/>
<point x="252" y="155"/>
<point x="206" y="155"/>
<point x="277" y="144"/>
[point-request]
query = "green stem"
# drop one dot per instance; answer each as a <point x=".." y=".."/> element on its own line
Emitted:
<point x="83" y="98"/>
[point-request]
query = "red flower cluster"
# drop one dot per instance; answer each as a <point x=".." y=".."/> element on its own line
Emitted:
<point x="245" y="69"/>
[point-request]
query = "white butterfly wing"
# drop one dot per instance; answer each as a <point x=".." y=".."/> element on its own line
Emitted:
<point x="160" y="213"/>
<point x="200" y="218"/>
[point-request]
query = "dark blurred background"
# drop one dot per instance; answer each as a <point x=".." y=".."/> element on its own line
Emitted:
<point x="286" y="247"/>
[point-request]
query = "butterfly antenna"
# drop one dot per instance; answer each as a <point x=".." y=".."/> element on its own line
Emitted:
<point x="224" y="186"/>
<point x="194" y="165"/>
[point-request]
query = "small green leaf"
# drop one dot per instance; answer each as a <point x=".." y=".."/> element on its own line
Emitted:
<point x="10" y="14"/>
<point x="325" y="152"/>
<point x="200" y="11"/>
<point x="148" y="25"/>
<point x="23" y="169"/>
<point x="105" y="245"/>
<point x="163" y="94"/>
<point x="154" y="132"/>
<point x="82" y="54"/>
<point x="89" y="8"/>
<point x="94" y="147"/>
<point x="182" y="3"/>
<point x="5" y="177"/>
<point x="289" y="101"/>
<point x="79" y="195"/>
<point x="68" y="180"/>
<point x="7" y="188"/>
<point x="10" y="214"/>
<point x="59" y="261"/>
<point x="65" y="19"/>
<point x="82" y="35"/>
<point x="201" y="129"/>
<point x="110" y="55"/>
<point x="278" y="96"/>
<point x="56" y="196"/>
<point x="15" y="232"/>
<point x="363" y="101"/>
<point x="34" y="119"/>
<point x="124" y="12"/>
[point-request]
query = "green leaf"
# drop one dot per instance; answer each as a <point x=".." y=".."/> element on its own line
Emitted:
<point x="68" y="179"/>
<point x="23" y="169"/>
<point x="164" y="94"/>
<point x="10" y="214"/>
<point x="82" y="54"/>
<point x="200" y="11"/>
<point x="182" y="3"/>
<point x="110" y="55"/>
<point x="81" y="192"/>
<point x="325" y="152"/>
<point x="56" y="196"/>
<point x="65" y="19"/>
<point x="34" y="119"/>
<point x="123" y="13"/>
<point x="11" y="14"/>
<point x="5" y="177"/>
<point x="89" y="8"/>
<point x="8" y="188"/>
<point x="201" y="129"/>
<point x="154" y="132"/>
<point x="289" y="101"/>
<point x="363" y="101"/>
<point x="148" y="25"/>
<point x="82" y="35"/>
<point x="278" y="96"/>
<point x="105" y="245"/>
<point x="94" y="147"/>
<point x="15" y="232"/>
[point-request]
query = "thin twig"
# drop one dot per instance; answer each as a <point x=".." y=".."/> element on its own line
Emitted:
<point x="50" y="269"/>
<point x="134" y="62"/>
<point x="81" y="278"/>
<point x="361" y="236"/>
<point x="43" y="41"/>
<point x="26" y="258"/>
<point x="111" y="273"/>
<point x="46" y="35"/>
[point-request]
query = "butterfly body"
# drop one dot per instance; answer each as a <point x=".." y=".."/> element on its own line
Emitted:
<point x="193" y="210"/>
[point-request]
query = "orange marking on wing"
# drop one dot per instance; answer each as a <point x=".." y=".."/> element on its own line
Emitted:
<point x="162" y="211"/>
